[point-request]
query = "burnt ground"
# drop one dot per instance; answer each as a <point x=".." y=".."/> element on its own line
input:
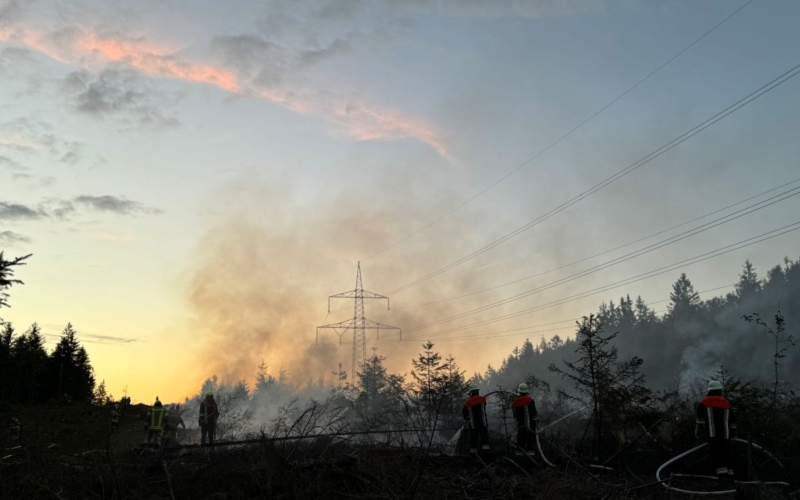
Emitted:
<point x="66" y="452"/>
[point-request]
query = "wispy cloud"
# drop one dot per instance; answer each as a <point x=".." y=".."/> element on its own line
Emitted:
<point x="83" y="48"/>
<point x="58" y="208"/>
<point x="17" y="212"/>
<point x="120" y="93"/>
<point x="10" y="238"/>
<point x="114" y="204"/>
<point x="31" y="136"/>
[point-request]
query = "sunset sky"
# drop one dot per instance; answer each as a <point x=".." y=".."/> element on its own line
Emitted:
<point x="194" y="178"/>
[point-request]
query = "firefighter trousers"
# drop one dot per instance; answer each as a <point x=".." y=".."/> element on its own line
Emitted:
<point x="481" y="434"/>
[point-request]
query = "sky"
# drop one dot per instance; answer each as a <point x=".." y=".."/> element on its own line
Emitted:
<point x="195" y="178"/>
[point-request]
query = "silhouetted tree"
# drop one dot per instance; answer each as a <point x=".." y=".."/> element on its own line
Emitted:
<point x="606" y="385"/>
<point x="70" y="373"/>
<point x="684" y="299"/>
<point x="385" y="391"/>
<point x="428" y="377"/>
<point x="31" y="363"/>
<point x="8" y="370"/>
<point x="7" y="277"/>
<point x="749" y="284"/>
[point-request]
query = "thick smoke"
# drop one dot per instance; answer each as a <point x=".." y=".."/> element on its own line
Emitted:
<point x="261" y="276"/>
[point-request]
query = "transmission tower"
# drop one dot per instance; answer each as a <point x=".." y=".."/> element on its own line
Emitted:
<point x="359" y="324"/>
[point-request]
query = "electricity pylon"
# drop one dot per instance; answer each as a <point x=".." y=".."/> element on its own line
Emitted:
<point x="359" y="324"/>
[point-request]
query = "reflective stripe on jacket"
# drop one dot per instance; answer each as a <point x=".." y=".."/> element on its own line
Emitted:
<point x="157" y="419"/>
<point x="716" y="414"/>
<point x="525" y="412"/>
<point x="475" y="411"/>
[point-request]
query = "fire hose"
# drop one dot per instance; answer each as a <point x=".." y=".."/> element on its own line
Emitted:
<point x="717" y="492"/>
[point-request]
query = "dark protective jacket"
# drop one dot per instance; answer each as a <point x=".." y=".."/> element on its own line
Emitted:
<point x="475" y="412"/>
<point x="209" y="411"/>
<point x="714" y="413"/>
<point x="525" y="414"/>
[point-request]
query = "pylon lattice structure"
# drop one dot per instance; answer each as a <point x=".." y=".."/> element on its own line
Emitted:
<point x="359" y="324"/>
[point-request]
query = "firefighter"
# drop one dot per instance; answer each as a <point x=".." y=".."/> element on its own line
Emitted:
<point x="114" y="418"/>
<point x="155" y="421"/>
<point x="361" y="405"/>
<point x="475" y="415"/>
<point x="209" y="412"/>
<point x="14" y="430"/>
<point x="524" y="408"/>
<point x="717" y="420"/>
<point x="174" y="421"/>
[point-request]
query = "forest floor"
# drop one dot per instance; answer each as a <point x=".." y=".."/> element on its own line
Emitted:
<point x="66" y="452"/>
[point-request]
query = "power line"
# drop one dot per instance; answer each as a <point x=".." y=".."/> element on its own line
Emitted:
<point x="487" y="335"/>
<point x="631" y="255"/>
<point x="634" y="279"/>
<point x="601" y="253"/>
<point x="557" y="141"/>
<point x="772" y="84"/>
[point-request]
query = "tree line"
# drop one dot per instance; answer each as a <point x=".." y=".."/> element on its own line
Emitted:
<point x="28" y="373"/>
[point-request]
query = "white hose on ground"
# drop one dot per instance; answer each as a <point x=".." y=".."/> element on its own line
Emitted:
<point x="541" y="454"/>
<point x="709" y="493"/>
<point x="770" y="455"/>
<point x="688" y="492"/>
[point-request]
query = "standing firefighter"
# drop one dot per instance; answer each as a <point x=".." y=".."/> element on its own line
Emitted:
<point x="475" y="414"/>
<point x="209" y="412"/>
<point x="13" y="430"/>
<point x="114" y="421"/>
<point x="526" y="417"/>
<point x="714" y="414"/>
<point x="174" y="421"/>
<point x="155" y="421"/>
<point x="361" y="405"/>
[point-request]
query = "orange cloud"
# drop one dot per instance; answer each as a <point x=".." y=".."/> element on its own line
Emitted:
<point x="357" y="120"/>
<point x="149" y="60"/>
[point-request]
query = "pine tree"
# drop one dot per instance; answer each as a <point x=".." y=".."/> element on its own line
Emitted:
<point x="30" y="358"/>
<point x="384" y="391"/>
<point x="453" y="387"/>
<point x="7" y="277"/>
<point x="427" y="375"/>
<point x="644" y="315"/>
<point x="101" y="396"/>
<point x="70" y="373"/>
<point x="749" y="284"/>
<point x="8" y="369"/>
<point x="684" y="300"/>
<point x="603" y="383"/>
<point x="84" y="382"/>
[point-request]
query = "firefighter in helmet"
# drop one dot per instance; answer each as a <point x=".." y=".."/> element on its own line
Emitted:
<point x="155" y="422"/>
<point x="207" y="418"/>
<point x="524" y="408"/>
<point x="715" y="419"/>
<point x="114" y="420"/>
<point x="474" y="413"/>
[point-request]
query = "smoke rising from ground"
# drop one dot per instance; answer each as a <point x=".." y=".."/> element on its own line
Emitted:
<point x="261" y="276"/>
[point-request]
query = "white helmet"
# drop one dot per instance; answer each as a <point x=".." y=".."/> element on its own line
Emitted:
<point x="522" y="389"/>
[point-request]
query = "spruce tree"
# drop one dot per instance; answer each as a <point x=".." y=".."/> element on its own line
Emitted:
<point x="70" y="374"/>
<point x="7" y="277"/>
<point x="684" y="300"/>
<point x="604" y="384"/>
<point x="428" y="376"/>
<point x="30" y="358"/>
<point x="8" y="370"/>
